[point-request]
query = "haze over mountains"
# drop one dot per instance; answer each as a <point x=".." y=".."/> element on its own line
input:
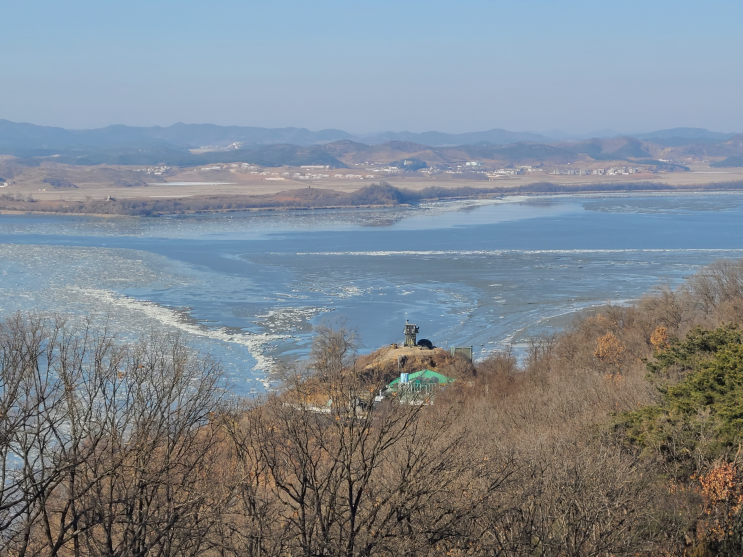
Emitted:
<point x="194" y="144"/>
<point x="29" y="136"/>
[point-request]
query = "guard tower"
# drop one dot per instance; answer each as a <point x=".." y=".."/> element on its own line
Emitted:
<point x="410" y="334"/>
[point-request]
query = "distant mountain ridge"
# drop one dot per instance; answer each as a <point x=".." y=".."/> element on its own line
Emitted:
<point x="14" y="135"/>
<point x="196" y="144"/>
<point x="684" y="133"/>
<point x="438" y="139"/>
<point x="30" y="136"/>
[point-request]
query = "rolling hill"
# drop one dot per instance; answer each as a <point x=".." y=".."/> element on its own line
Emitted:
<point x="188" y="145"/>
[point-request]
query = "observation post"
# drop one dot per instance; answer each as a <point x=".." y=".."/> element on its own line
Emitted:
<point x="410" y="334"/>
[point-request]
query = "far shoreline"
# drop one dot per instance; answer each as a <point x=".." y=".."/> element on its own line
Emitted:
<point x="376" y="196"/>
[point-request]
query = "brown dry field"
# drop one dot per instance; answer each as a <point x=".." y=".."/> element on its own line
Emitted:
<point x="225" y="183"/>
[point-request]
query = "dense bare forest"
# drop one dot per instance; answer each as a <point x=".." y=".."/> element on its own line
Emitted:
<point x="619" y="436"/>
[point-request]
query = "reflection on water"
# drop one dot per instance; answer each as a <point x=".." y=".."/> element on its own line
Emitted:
<point x="248" y="287"/>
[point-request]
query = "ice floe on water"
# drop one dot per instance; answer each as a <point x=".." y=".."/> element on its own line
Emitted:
<point x="78" y="281"/>
<point x="288" y="318"/>
<point x="175" y="320"/>
<point x="250" y="288"/>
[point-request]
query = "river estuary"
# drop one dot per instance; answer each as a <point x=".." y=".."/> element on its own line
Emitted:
<point x="249" y="287"/>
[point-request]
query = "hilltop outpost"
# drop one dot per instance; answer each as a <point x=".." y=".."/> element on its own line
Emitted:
<point x="416" y="383"/>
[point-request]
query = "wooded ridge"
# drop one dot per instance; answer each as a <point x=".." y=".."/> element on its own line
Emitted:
<point x="620" y="435"/>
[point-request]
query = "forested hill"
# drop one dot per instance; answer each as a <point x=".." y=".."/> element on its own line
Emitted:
<point x="620" y="435"/>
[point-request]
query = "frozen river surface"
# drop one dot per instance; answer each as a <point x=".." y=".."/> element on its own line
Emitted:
<point x="249" y="287"/>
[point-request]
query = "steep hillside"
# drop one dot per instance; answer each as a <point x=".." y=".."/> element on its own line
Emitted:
<point x="524" y="153"/>
<point x="344" y="147"/>
<point x="729" y="162"/>
<point x="385" y="152"/>
<point x="610" y="149"/>
<point x="729" y="148"/>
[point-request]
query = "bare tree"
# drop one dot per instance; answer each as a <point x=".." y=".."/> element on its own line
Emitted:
<point x="350" y="477"/>
<point x="106" y="447"/>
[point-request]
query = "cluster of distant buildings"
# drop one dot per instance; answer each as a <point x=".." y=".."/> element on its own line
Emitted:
<point x="234" y="167"/>
<point x="388" y="169"/>
<point x="309" y="176"/>
<point x="612" y="171"/>
<point x="518" y="170"/>
<point x="300" y="176"/>
<point x="231" y="146"/>
<point x="316" y="172"/>
<point x="153" y="170"/>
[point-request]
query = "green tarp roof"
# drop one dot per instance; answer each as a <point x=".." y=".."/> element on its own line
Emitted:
<point x="424" y="376"/>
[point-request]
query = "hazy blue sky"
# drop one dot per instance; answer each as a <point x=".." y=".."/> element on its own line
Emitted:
<point x="377" y="65"/>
